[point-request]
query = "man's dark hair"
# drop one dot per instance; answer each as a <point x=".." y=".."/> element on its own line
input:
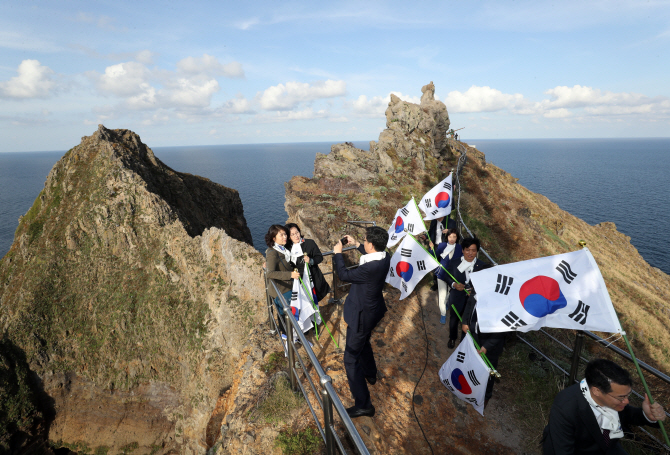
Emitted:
<point x="458" y="236"/>
<point x="377" y="236"/>
<point x="601" y="372"/>
<point x="272" y="233"/>
<point x="467" y="242"/>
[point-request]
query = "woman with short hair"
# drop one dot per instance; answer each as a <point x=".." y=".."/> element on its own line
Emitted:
<point x="279" y="268"/>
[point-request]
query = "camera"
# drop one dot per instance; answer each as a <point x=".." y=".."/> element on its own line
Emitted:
<point x="344" y="241"/>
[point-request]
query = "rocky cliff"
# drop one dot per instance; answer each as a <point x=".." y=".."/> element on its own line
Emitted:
<point x="126" y="297"/>
<point x="412" y="154"/>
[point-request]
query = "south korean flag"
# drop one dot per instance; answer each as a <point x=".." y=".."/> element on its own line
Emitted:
<point x="301" y="306"/>
<point x="564" y="291"/>
<point x="409" y="264"/>
<point x="466" y="374"/>
<point x="437" y="202"/>
<point x="407" y="219"/>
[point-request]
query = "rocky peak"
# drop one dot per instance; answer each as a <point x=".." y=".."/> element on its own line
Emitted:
<point x="130" y="289"/>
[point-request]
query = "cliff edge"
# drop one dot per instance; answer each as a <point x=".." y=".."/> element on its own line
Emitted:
<point x="127" y="294"/>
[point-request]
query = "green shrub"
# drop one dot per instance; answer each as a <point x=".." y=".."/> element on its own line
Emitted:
<point x="305" y="442"/>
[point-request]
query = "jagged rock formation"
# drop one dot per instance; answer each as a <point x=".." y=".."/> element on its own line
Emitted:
<point x="514" y="224"/>
<point x="130" y="289"/>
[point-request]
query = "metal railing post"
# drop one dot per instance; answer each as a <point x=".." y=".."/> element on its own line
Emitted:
<point x="328" y="416"/>
<point x="576" y="353"/>
<point x="291" y="354"/>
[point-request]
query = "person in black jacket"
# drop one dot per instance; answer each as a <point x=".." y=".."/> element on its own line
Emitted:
<point x="306" y="251"/>
<point x="363" y="309"/>
<point x="589" y="418"/>
<point x="458" y="279"/>
<point x="490" y="344"/>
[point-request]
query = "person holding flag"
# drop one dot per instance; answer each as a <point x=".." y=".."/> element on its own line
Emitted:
<point x="458" y="280"/>
<point x="589" y="418"/>
<point x="446" y="252"/>
<point x="363" y="309"/>
<point x="305" y="251"/>
<point x="279" y="267"/>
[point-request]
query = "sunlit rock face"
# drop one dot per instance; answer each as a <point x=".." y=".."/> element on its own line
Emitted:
<point x="130" y="289"/>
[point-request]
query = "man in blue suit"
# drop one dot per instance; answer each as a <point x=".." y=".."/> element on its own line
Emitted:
<point x="363" y="309"/>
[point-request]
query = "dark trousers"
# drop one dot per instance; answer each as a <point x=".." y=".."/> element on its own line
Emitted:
<point x="454" y="324"/>
<point x="359" y="362"/>
<point x="281" y="321"/>
<point x="493" y="358"/>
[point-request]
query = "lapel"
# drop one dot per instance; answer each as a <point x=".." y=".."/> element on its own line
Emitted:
<point x="589" y="420"/>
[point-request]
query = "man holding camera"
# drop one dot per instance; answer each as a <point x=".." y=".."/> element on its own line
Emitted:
<point x="363" y="309"/>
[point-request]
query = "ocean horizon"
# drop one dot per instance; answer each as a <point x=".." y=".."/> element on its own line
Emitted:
<point x="597" y="180"/>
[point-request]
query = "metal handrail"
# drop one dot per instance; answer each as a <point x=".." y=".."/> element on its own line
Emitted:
<point x="329" y="397"/>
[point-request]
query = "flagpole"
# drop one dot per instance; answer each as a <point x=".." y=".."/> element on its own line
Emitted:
<point x="639" y="370"/>
<point x="644" y="383"/>
<point x="317" y="309"/>
<point x="489" y="364"/>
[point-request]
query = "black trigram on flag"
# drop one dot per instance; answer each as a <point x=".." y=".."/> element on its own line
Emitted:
<point x="404" y="286"/>
<point x="460" y="357"/>
<point x="406" y="252"/>
<point x="504" y="283"/>
<point x="410" y="227"/>
<point x="421" y="265"/>
<point x="294" y="296"/>
<point x="447" y="186"/>
<point x="513" y="321"/>
<point x="391" y="272"/>
<point x="427" y="202"/>
<point x="393" y="237"/>
<point x="434" y="212"/>
<point x="471" y="400"/>
<point x="565" y="270"/>
<point x="580" y="313"/>
<point x="404" y="211"/>
<point x="473" y="378"/>
<point x="446" y="383"/>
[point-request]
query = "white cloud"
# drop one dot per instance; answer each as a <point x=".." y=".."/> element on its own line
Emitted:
<point x="481" y="99"/>
<point x="286" y="97"/>
<point x="210" y="65"/>
<point x="33" y="81"/>
<point x="284" y="116"/>
<point x="191" y="92"/>
<point x="376" y="106"/>
<point x="123" y="79"/>
<point x="237" y="105"/>
<point x="247" y="24"/>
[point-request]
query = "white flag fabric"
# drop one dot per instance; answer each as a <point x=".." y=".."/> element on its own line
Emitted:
<point x="307" y="278"/>
<point x="409" y="264"/>
<point x="407" y="219"/>
<point x="466" y="374"/>
<point x="301" y="307"/>
<point x="563" y="291"/>
<point x="437" y="202"/>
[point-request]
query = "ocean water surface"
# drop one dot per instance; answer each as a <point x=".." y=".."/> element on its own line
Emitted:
<point x="618" y="180"/>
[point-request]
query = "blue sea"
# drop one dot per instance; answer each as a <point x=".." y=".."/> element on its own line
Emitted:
<point x="619" y="180"/>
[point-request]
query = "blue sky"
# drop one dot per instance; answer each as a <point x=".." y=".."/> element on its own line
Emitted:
<point x="201" y="73"/>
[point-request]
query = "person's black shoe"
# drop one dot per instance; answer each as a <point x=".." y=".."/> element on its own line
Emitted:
<point x="451" y="344"/>
<point x="372" y="380"/>
<point x="359" y="412"/>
